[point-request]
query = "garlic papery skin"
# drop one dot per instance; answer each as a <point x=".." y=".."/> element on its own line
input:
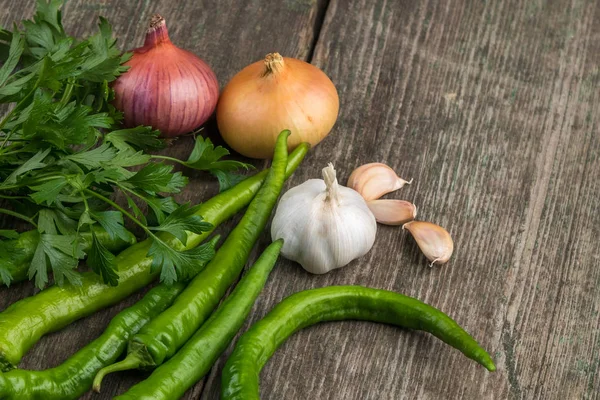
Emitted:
<point x="324" y="225"/>
<point x="393" y="212"/>
<point x="373" y="180"/>
<point x="434" y="241"/>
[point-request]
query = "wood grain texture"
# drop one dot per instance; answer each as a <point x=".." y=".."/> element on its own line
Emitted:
<point x="228" y="35"/>
<point x="493" y="109"/>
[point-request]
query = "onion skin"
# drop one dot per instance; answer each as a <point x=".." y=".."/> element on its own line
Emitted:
<point x="269" y="96"/>
<point x="166" y="87"/>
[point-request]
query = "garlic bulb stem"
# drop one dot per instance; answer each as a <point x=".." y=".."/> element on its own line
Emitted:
<point x="331" y="184"/>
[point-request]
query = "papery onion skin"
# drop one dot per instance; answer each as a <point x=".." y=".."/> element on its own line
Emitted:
<point x="274" y="94"/>
<point x="166" y="87"/>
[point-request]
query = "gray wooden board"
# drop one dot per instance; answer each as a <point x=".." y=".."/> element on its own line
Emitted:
<point x="493" y="109"/>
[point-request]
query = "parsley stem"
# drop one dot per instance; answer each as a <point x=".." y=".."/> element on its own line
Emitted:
<point x="18" y="215"/>
<point x="8" y="153"/>
<point x="3" y="196"/>
<point x="175" y="160"/>
<point x="9" y="134"/>
<point x="85" y="204"/>
<point x="119" y="208"/>
<point x="130" y="216"/>
<point x="125" y="212"/>
<point x="66" y="96"/>
<point x="5" y="149"/>
<point x="126" y="189"/>
<point x="9" y="116"/>
<point x="40" y="179"/>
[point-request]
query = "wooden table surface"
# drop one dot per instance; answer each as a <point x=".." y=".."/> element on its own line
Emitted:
<point x="493" y="107"/>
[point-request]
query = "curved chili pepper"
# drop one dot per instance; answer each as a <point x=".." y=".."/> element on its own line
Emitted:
<point x="26" y="321"/>
<point x="161" y="338"/>
<point x="335" y="303"/>
<point x="198" y="355"/>
<point x="74" y="377"/>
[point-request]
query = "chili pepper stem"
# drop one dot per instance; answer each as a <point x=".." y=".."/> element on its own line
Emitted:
<point x="130" y="362"/>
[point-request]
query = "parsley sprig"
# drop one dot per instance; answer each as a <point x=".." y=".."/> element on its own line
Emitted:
<point x="63" y="157"/>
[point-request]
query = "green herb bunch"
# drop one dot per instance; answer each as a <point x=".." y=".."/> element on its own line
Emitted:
<point x="63" y="156"/>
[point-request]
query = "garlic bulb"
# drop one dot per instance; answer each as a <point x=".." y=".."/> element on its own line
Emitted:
<point x="324" y="225"/>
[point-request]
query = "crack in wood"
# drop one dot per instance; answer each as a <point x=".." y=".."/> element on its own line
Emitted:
<point x="317" y="27"/>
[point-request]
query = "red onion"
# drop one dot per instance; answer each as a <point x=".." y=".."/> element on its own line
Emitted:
<point x="166" y="87"/>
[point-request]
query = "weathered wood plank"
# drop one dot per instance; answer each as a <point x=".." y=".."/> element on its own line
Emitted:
<point x="228" y="35"/>
<point x="492" y="108"/>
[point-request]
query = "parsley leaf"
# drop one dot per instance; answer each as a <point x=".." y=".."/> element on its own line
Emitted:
<point x="17" y="46"/>
<point x="9" y="233"/>
<point x="85" y="220"/>
<point x="161" y="207"/>
<point x="129" y="158"/>
<point x="183" y="220"/>
<point x="95" y="157"/>
<point x="102" y="262"/>
<point x="8" y="254"/>
<point x="61" y="255"/>
<point x="34" y="162"/>
<point x="136" y="210"/>
<point x="141" y="137"/>
<point x="48" y="192"/>
<point x="5" y="275"/>
<point x="157" y="177"/>
<point x="114" y="173"/>
<point x="205" y="156"/>
<point x="227" y="179"/>
<point x="49" y="220"/>
<point x="49" y="11"/>
<point x="112" y="222"/>
<point x="64" y="157"/>
<point x="178" y="265"/>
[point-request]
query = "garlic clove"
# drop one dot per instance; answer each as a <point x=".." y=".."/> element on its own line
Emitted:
<point x="373" y="180"/>
<point x="393" y="212"/>
<point x="434" y="241"/>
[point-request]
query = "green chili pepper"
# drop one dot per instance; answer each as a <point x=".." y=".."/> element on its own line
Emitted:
<point x="335" y="303"/>
<point x="26" y="321"/>
<point x="161" y="338"/>
<point x="27" y="242"/>
<point x="74" y="377"/>
<point x="198" y="355"/>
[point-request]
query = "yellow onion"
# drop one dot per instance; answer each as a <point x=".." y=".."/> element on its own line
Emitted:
<point x="166" y="87"/>
<point x="272" y="95"/>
